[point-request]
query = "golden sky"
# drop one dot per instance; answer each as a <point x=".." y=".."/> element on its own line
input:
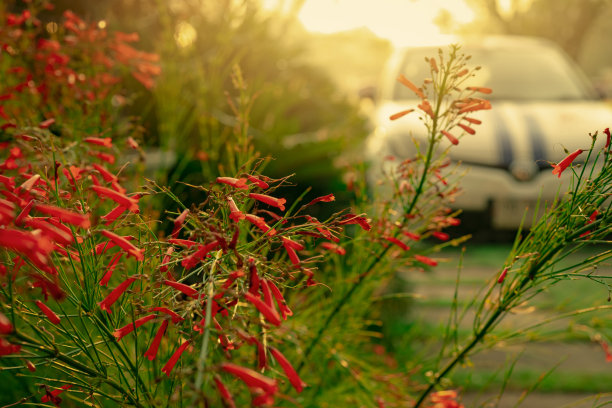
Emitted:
<point x="403" y="22"/>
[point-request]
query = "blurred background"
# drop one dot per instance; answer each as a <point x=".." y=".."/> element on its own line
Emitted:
<point x="307" y="68"/>
<point x="308" y="73"/>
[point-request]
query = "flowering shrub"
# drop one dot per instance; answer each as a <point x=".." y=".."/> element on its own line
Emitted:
<point x="232" y="307"/>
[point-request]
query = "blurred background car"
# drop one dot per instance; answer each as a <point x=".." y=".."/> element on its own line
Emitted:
<point x="543" y="106"/>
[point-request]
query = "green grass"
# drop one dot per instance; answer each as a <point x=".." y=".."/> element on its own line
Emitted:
<point x="471" y="379"/>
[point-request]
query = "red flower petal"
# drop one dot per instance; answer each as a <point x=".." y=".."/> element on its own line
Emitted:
<point x="53" y="318"/>
<point x="69" y="217"/>
<point x="290" y="372"/>
<point x="260" y="183"/>
<point x="563" y="164"/>
<point x="269" y="313"/>
<point x="174" y="359"/>
<point x="115" y="294"/>
<point x="426" y="260"/>
<point x="186" y="289"/>
<point x="130" y="327"/>
<point x="234" y="182"/>
<point x="266" y="199"/>
<point x="124" y="244"/>
<point x="151" y="352"/>
<point x="251" y="378"/>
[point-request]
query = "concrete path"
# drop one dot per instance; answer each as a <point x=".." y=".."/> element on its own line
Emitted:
<point x="578" y="361"/>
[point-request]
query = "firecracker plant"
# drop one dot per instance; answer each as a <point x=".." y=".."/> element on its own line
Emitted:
<point x="249" y="300"/>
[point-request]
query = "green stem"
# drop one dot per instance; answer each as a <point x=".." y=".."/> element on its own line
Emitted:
<point x="370" y="267"/>
<point x="204" y="349"/>
<point x="449" y="366"/>
<point x="54" y="353"/>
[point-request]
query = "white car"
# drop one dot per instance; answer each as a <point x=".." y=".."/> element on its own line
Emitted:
<point x="541" y="104"/>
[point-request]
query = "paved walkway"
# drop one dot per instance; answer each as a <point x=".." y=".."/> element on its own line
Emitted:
<point x="578" y="361"/>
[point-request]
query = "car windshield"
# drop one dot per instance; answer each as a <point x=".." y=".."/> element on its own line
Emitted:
<point x="532" y="73"/>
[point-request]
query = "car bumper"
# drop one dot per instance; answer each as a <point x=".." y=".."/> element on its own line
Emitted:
<point x="509" y="201"/>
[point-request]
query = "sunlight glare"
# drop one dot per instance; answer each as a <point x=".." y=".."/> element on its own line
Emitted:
<point x="400" y="21"/>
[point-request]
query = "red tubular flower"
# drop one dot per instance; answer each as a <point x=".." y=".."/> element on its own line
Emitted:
<point x="109" y="158"/>
<point x="355" y="219"/>
<point x="128" y="202"/>
<point x="404" y="81"/>
<point x="564" y="164"/>
<point x="466" y="128"/>
<point x="52" y="396"/>
<point x="480" y="89"/>
<point x="151" y="352"/>
<point x="48" y="286"/>
<point x="235" y="213"/>
<point x="260" y="223"/>
<point x="397" y="242"/>
<point x="251" y="378"/>
<point x="9" y="182"/>
<point x="187" y="243"/>
<point x="124" y="244"/>
<point x="267" y="294"/>
<point x="411" y="235"/>
<point x="607" y="132"/>
<point x="591" y="219"/>
<point x="113" y="214"/>
<point x="231" y="279"/>
<point x="450" y="137"/>
<point x="173" y="315"/>
<point x="320" y="227"/>
<point x="291" y="247"/>
<point x="266" y="199"/>
<point x="270" y="313"/>
<point x="290" y="372"/>
<point x="178" y="222"/>
<point x="234" y="182"/>
<point x="69" y="217"/>
<point x="5" y="325"/>
<point x="606" y="350"/>
<point x="55" y="234"/>
<point x="111" y="267"/>
<point x="333" y="248"/>
<point x="115" y="294"/>
<point x="426" y="260"/>
<point x="130" y="327"/>
<point x="174" y="359"/>
<point x="503" y="274"/>
<point x="472" y="120"/>
<point x="27" y="244"/>
<point x="326" y="199"/>
<point x="473" y="105"/>
<point x="186" y="289"/>
<point x="398" y="115"/>
<point x="442" y="236"/>
<point x="280" y="300"/>
<point x="225" y="394"/>
<point x="99" y="141"/>
<point x="46" y="123"/>
<point x="7" y="348"/>
<point x="133" y="144"/>
<point x="166" y="262"/>
<point x="425" y="106"/>
<point x="53" y="318"/>
<point x="260" y="183"/>
<point x="192" y="260"/>
<point x="253" y="277"/>
<point x="262" y="358"/>
<point x="106" y="175"/>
